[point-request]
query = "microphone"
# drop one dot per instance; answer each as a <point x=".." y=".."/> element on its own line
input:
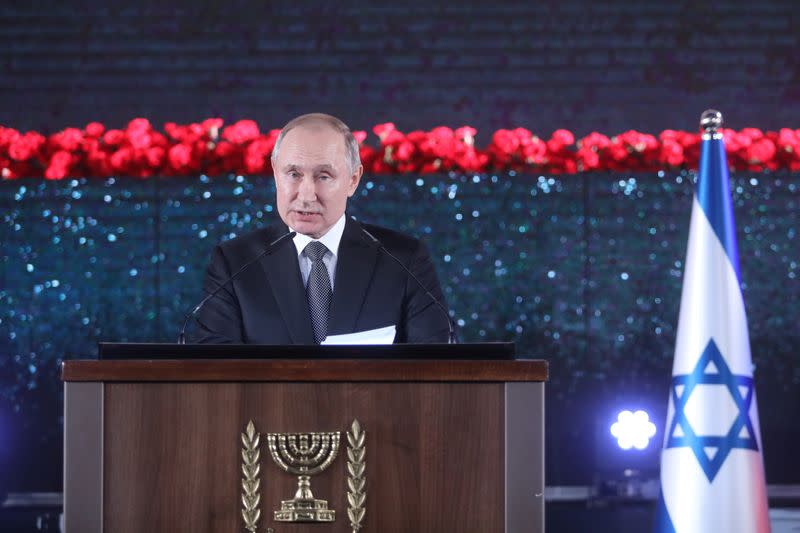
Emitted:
<point x="268" y="250"/>
<point x="451" y="335"/>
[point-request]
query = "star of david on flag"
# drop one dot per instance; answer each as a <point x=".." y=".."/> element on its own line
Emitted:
<point x="712" y="472"/>
<point x="711" y="451"/>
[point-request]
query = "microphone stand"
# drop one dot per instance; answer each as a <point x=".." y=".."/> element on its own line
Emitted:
<point x="451" y="335"/>
<point x="271" y="248"/>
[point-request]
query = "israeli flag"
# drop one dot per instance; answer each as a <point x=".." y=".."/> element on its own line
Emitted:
<point x="712" y="472"/>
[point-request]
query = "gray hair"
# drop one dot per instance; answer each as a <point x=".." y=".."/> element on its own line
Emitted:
<point x="350" y="142"/>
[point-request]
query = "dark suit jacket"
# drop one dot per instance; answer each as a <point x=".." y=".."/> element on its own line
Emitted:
<point x="267" y="303"/>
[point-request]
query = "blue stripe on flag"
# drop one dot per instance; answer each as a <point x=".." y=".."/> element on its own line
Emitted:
<point x="663" y="521"/>
<point x="714" y="196"/>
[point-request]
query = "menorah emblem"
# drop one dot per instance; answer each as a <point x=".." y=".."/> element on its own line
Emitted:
<point x="304" y="455"/>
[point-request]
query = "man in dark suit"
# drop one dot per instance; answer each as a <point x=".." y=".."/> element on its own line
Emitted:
<point x="332" y="279"/>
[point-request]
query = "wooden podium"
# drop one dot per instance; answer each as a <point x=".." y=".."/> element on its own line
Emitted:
<point x="161" y="445"/>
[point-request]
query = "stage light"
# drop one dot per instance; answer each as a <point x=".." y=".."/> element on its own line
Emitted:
<point x="633" y="430"/>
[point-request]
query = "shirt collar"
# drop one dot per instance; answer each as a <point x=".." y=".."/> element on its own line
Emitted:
<point x="331" y="239"/>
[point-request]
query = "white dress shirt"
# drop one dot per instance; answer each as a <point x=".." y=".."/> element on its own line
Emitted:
<point x="331" y="241"/>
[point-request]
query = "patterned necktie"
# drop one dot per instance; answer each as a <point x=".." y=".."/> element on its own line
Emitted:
<point x="318" y="290"/>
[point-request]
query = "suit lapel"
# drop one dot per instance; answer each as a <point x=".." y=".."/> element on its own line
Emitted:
<point x="355" y="266"/>
<point x="283" y="274"/>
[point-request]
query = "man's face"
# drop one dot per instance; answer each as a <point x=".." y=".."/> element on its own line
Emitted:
<point x="313" y="179"/>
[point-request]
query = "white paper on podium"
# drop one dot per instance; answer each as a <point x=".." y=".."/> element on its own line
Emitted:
<point x="372" y="336"/>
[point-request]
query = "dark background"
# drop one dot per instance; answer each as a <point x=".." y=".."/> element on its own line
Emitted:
<point x="584" y="271"/>
<point x="572" y="64"/>
<point x="608" y="66"/>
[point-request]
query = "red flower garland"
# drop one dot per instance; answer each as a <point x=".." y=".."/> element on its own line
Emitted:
<point x="209" y="148"/>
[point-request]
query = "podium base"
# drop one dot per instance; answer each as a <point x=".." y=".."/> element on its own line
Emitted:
<point x="298" y="510"/>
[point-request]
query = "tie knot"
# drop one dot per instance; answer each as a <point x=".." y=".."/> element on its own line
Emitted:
<point x="315" y="250"/>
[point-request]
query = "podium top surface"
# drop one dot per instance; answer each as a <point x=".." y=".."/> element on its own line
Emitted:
<point x="142" y="362"/>
<point x="135" y="350"/>
<point x="303" y="370"/>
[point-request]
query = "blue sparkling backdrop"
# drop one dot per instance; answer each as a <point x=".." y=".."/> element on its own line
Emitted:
<point x="582" y="270"/>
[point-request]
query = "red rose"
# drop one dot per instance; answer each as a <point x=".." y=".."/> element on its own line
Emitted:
<point x="474" y="162"/>
<point x="569" y="166"/>
<point x="761" y="151"/>
<point x="382" y="130"/>
<point x="172" y="129"/>
<point x="731" y="140"/>
<point x="7" y="136"/>
<point x="439" y="143"/>
<point x="788" y="137"/>
<point x="637" y="142"/>
<point x="179" y="157"/>
<point x="441" y="132"/>
<point x="225" y="149"/>
<point x="67" y="140"/>
<point x="121" y="160"/>
<point x="368" y="155"/>
<point x="94" y="130"/>
<point x="534" y="150"/>
<point x="752" y="133"/>
<point x="587" y="158"/>
<point x="740" y="141"/>
<point x="560" y="140"/>
<point x="89" y="144"/>
<point x="391" y="137"/>
<point x="114" y="137"/>
<point x="787" y="143"/>
<point x="430" y="167"/>
<point x="158" y="139"/>
<point x="506" y="141"/>
<point x="187" y="134"/>
<point x="59" y="165"/>
<point x="691" y="149"/>
<point x="466" y="134"/>
<point x="241" y="132"/>
<point x="417" y="145"/>
<point x="155" y="157"/>
<point x="464" y="155"/>
<point x="360" y="136"/>
<point x="379" y="164"/>
<point x="201" y="149"/>
<point x="513" y="149"/>
<point x="98" y="164"/>
<point x="257" y="153"/>
<point x="595" y="141"/>
<point x="210" y="123"/>
<point x="139" y="138"/>
<point x="26" y="146"/>
<point x="649" y="141"/>
<point x="139" y="124"/>
<point x="404" y="152"/>
<point x="212" y="126"/>
<point x="228" y="157"/>
<point x="671" y="153"/>
<point x="617" y="150"/>
<point x="55" y="173"/>
<point x="255" y="163"/>
<point x="524" y="136"/>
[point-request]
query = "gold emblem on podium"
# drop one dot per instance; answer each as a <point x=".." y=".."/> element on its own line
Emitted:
<point x="356" y="475"/>
<point x="251" y="484"/>
<point x="304" y="455"/>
